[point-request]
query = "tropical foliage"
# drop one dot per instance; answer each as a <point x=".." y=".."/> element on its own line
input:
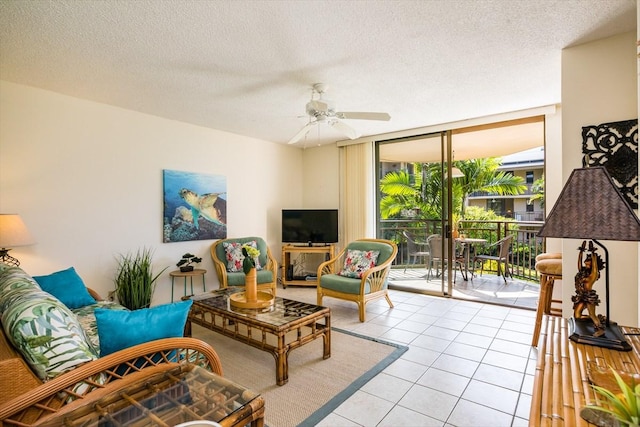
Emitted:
<point x="625" y="405"/>
<point x="420" y="192"/>
<point x="538" y="191"/>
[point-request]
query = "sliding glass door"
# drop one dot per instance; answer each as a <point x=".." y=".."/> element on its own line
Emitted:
<point x="415" y="210"/>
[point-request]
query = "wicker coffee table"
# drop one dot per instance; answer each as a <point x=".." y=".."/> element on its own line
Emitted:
<point x="278" y="329"/>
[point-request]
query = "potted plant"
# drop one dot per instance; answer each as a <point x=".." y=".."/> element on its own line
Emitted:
<point x="186" y="262"/>
<point x="135" y="280"/>
<point x="619" y="406"/>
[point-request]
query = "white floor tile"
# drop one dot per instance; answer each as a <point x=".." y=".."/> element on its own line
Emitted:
<point x="467" y="414"/>
<point x="364" y="409"/>
<point x="430" y="402"/>
<point x="403" y="417"/>
<point x="444" y="381"/>
<point x="468" y="363"/>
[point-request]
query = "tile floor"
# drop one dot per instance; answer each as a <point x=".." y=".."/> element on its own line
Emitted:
<point x="468" y="363"/>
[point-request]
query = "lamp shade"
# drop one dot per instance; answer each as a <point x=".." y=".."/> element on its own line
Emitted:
<point x="590" y="206"/>
<point x="456" y="173"/>
<point x="13" y="232"/>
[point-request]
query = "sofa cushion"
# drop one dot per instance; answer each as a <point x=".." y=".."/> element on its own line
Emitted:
<point x="234" y="256"/>
<point x="344" y="284"/>
<point x="357" y="262"/>
<point x="67" y="286"/>
<point x="87" y="319"/>
<point x="46" y="333"/>
<point x="143" y="325"/>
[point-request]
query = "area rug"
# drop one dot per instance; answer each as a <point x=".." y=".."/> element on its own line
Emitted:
<point x="316" y="386"/>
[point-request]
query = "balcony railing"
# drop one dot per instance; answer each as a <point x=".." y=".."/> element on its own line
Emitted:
<point x="524" y="249"/>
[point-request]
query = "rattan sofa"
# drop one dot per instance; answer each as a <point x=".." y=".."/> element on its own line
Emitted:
<point x="26" y="399"/>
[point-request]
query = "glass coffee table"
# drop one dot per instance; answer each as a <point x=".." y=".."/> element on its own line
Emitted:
<point x="173" y="396"/>
<point x="277" y="329"/>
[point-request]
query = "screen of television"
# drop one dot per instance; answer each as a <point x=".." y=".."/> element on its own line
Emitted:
<point x="309" y="226"/>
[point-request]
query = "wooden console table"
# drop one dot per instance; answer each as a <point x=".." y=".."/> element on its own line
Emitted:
<point x="561" y="387"/>
<point x="288" y="277"/>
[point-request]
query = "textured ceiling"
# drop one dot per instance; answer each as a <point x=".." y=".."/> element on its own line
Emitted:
<point x="247" y="66"/>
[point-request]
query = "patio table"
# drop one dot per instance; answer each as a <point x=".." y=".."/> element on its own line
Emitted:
<point x="467" y="247"/>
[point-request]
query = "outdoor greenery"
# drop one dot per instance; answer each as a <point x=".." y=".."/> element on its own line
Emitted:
<point x="420" y="192"/>
<point x="135" y="281"/>
<point x="538" y="191"/>
<point x="414" y="194"/>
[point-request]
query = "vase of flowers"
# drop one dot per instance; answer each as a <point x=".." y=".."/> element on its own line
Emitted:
<point x="251" y="275"/>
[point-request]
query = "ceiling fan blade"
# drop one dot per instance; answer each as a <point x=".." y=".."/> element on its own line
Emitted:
<point x="345" y="129"/>
<point x="302" y="132"/>
<point x="357" y="115"/>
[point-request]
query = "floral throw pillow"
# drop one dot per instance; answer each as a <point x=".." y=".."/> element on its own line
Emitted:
<point x="357" y="262"/>
<point x="233" y="252"/>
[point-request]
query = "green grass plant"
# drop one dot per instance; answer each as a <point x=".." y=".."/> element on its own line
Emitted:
<point x="135" y="281"/>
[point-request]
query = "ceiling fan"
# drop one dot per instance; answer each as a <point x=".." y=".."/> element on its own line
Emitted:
<point x="322" y="110"/>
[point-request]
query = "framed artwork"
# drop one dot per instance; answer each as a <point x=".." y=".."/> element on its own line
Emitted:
<point x="195" y="206"/>
<point x="615" y="146"/>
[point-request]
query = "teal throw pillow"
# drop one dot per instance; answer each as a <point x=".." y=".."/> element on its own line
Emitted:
<point x="67" y="286"/>
<point x="118" y="329"/>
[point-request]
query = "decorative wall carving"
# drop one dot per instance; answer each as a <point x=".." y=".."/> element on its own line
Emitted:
<point x="615" y="146"/>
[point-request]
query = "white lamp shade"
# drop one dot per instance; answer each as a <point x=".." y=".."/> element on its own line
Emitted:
<point x="13" y="232"/>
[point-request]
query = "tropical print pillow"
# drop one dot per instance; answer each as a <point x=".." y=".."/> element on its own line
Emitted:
<point x="46" y="333"/>
<point x="12" y="281"/>
<point x="233" y="252"/>
<point x="357" y="262"/>
<point x="87" y="319"/>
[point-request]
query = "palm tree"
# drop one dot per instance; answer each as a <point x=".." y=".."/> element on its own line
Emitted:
<point x="404" y="192"/>
<point x="483" y="175"/>
<point x="538" y="191"/>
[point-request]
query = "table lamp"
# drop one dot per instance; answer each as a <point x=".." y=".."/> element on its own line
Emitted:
<point x="13" y="233"/>
<point x="591" y="207"/>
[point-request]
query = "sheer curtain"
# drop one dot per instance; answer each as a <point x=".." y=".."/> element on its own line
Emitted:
<point x="357" y="190"/>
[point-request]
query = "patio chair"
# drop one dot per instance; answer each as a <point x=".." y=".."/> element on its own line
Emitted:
<point x="499" y="252"/>
<point x="355" y="276"/>
<point x="438" y="259"/>
<point x="416" y="250"/>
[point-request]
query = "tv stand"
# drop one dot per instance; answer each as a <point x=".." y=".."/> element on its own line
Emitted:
<point x="286" y="271"/>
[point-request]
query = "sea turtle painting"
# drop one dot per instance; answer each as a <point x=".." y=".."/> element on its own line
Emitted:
<point x="210" y="206"/>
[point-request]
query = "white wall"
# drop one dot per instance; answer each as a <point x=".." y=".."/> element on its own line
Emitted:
<point x="87" y="180"/>
<point x="321" y="177"/>
<point x="599" y="85"/>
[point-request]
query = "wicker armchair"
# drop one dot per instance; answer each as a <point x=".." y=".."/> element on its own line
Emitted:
<point x="373" y="283"/>
<point x="267" y="277"/>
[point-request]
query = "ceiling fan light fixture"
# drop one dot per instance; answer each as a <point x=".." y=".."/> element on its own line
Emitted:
<point x="323" y="111"/>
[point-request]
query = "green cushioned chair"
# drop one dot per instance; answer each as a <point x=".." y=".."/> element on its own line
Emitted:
<point x="373" y="283"/>
<point x="267" y="276"/>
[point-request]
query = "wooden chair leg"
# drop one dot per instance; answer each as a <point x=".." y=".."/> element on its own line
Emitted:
<point x="361" y="310"/>
<point x="386" y="295"/>
<point x="539" y="312"/>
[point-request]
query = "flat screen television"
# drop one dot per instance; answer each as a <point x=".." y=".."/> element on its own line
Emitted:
<point x="309" y="226"/>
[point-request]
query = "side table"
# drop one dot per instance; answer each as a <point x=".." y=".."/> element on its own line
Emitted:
<point x="187" y="275"/>
<point x="561" y="386"/>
